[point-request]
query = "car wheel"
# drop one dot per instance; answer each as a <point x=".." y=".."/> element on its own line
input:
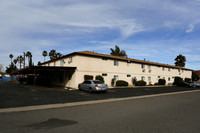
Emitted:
<point x="90" y="90"/>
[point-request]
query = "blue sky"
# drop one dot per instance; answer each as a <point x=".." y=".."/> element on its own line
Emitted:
<point x="152" y="29"/>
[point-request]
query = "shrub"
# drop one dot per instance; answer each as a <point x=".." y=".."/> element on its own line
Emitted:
<point x="113" y="81"/>
<point x="161" y="81"/>
<point x="156" y="84"/>
<point x="188" y="79"/>
<point x="99" y="77"/>
<point x="121" y="83"/>
<point x="88" y="77"/>
<point x="140" y="83"/>
<point x="177" y="81"/>
<point x="134" y="80"/>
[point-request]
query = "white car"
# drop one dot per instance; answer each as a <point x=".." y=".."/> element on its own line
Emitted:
<point x="92" y="85"/>
<point x="196" y="84"/>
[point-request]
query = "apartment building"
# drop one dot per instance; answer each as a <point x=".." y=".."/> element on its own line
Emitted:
<point x="120" y="68"/>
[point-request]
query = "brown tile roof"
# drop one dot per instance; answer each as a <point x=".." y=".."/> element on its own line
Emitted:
<point x="94" y="54"/>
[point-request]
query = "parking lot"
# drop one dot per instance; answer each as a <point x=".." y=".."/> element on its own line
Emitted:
<point x="14" y="94"/>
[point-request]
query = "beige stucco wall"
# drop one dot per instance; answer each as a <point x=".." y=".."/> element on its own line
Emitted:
<point x="96" y="66"/>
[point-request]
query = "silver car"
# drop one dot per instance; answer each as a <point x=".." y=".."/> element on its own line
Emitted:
<point x="92" y="85"/>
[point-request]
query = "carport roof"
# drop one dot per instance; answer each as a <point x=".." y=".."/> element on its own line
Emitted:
<point x="38" y="69"/>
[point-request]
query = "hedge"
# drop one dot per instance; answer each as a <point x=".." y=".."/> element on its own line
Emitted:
<point x="121" y="83"/>
<point x="140" y="83"/>
<point x="188" y="79"/>
<point x="99" y="77"/>
<point x="161" y="81"/>
<point x="88" y="77"/>
<point x="177" y="81"/>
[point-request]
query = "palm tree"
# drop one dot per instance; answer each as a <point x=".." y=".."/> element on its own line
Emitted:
<point x="118" y="52"/>
<point x="29" y="55"/>
<point x="15" y="61"/>
<point x="20" y="59"/>
<point x="52" y="54"/>
<point x="58" y="55"/>
<point x="180" y="61"/>
<point x="44" y="53"/>
<point x="11" y="56"/>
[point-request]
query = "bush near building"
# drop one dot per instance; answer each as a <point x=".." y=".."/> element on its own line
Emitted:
<point x="99" y="77"/>
<point x="161" y="81"/>
<point x="140" y="83"/>
<point x="88" y="77"/>
<point x="177" y="81"/>
<point x="188" y="79"/>
<point x="121" y="83"/>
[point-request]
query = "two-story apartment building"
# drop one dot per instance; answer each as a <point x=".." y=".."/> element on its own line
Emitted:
<point x="120" y="68"/>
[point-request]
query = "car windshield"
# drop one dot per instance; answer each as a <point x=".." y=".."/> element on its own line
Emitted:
<point x="98" y="82"/>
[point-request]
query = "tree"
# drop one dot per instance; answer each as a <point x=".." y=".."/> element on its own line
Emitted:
<point x="39" y="63"/>
<point x="44" y="53"/>
<point x="29" y="55"/>
<point x="180" y="61"/>
<point x="118" y="52"/>
<point x="11" y="56"/>
<point x="58" y="55"/>
<point x="20" y="59"/>
<point x="53" y="54"/>
<point x="15" y="61"/>
<point x="12" y="68"/>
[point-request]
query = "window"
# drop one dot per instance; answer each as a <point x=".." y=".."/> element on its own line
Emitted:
<point x="143" y="78"/>
<point x="116" y="77"/>
<point x="128" y="75"/>
<point x="168" y="69"/>
<point x="149" y="67"/>
<point x="169" y="79"/>
<point x="158" y="76"/>
<point x="142" y="66"/>
<point x="163" y="69"/>
<point x="104" y="74"/>
<point x="149" y="78"/>
<point x="116" y="63"/>
<point x="179" y="70"/>
<point x="104" y="58"/>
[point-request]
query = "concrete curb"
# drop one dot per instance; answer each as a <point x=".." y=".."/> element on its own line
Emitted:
<point x="51" y="106"/>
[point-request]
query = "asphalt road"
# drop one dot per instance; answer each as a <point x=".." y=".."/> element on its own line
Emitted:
<point x="178" y="113"/>
<point x="18" y="95"/>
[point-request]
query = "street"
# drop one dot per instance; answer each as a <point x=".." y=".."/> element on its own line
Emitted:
<point x="177" y="113"/>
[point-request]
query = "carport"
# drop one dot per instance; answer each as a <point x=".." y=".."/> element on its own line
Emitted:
<point x="47" y="75"/>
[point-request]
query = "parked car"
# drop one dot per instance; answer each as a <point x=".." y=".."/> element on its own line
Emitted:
<point x="197" y="83"/>
<point x="92" y="85"/>
<point x="191" y="84"/>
